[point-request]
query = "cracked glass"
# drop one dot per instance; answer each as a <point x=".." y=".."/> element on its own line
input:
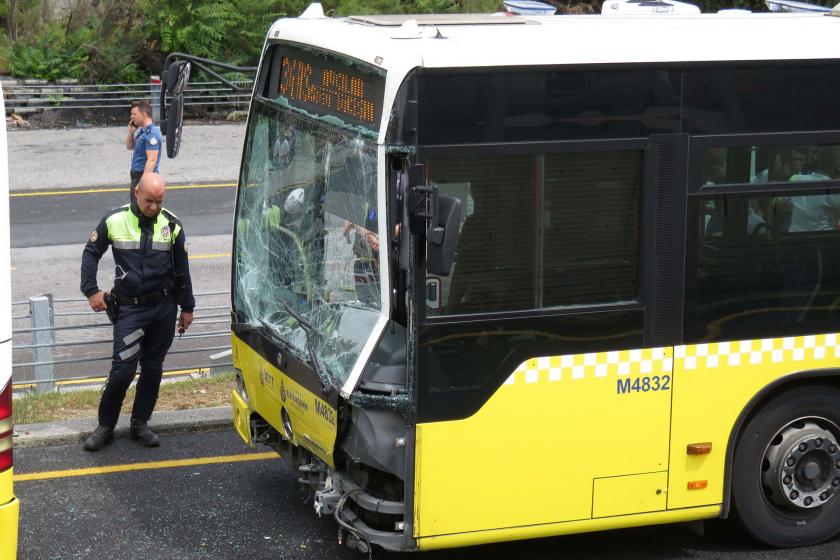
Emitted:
<point x="307" y="252"/>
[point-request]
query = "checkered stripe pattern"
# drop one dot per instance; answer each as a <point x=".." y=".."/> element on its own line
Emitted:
<point x="656" y="361"/>
<point x="649" y="361"/>
<point x="757" y="352"/>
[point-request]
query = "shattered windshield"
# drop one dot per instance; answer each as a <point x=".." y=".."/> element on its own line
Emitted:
<point x="306" y="268"/>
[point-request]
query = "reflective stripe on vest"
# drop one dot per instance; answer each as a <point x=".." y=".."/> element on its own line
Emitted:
<point x="124" y="231"/>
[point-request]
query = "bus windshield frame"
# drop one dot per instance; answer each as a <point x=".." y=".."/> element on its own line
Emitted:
<point x="306" y="266"/>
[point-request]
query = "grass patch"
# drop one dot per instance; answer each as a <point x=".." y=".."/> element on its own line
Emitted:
<point x="33" y="408"/>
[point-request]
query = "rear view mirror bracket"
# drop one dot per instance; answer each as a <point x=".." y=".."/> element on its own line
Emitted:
<point x="176" y="75"/>
<point x="442" y="216"/>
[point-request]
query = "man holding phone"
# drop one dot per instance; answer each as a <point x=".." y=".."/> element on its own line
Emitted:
<point x="145" y="139"/>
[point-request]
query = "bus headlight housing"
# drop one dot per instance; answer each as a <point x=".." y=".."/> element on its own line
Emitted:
<point x="240" y="386"/>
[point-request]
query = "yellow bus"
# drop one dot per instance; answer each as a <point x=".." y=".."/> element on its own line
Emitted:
<point x="500" y="278"/>
<point x="9" y="505"/>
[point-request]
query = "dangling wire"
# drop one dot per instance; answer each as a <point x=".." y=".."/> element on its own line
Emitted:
<point x="349" y="528"/>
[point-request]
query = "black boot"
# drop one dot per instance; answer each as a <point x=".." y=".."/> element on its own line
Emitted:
<point x="141" y="432"/>
<point x="101" y="436"/>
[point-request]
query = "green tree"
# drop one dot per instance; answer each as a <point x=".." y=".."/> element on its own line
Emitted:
<point x="232" y="31"/>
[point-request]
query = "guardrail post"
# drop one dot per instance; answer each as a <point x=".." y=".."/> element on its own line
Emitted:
<point x="41" y="312"/>
<point x="215" y="369"/>
<point x="154" y="94"/>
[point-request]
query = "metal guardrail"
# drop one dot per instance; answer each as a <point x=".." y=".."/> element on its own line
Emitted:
<point x="39" y="95"/>
<point x="35" y="363"/>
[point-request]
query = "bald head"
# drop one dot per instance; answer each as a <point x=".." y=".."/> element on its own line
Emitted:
<point x="150" y="192"/>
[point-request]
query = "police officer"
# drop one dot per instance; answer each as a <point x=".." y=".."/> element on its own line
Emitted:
<point x="145" y="139"/>
<point x="152" y="278"/>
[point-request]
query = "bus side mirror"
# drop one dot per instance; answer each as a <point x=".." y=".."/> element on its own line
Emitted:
<point x="177" y="76"/>
<point x="174" y="125"/>
<point x="442" y="235"/>
<point x="175" y="79"/>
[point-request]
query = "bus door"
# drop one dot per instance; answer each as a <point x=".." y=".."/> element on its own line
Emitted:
<point x="540" y="398"/>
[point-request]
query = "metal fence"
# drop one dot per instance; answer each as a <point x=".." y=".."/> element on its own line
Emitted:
<point x="27" y="96"/>
<point x="64" y="334"/>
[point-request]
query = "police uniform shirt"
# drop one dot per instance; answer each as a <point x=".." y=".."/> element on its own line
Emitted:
<point x="144" y="249"/>
<point x="145" y="139"/>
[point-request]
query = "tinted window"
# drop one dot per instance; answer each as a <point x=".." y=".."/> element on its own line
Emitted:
<point x="768" y="164"/>
<point x="577" y="243"/>
<point x="546" y="105"/>
<point x="760" y="98"/>
<point x="494" y="268"/>
<point x="591" y="224"/>
<point x="464" y="363"/>
<point x="762" y="266"/>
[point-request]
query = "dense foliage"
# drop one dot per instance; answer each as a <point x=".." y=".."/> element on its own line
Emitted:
<point x="127" y="40"/>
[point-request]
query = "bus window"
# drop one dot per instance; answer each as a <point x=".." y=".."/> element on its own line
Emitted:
<point x="771" y="164"/>
<point x="591" y="224"/>
<point x="547" y="105"/>
<point x="761" y="266"/>
<point x="587" y="253"/>
<point x="760" y="98"/>
<point x="494" y="265"/>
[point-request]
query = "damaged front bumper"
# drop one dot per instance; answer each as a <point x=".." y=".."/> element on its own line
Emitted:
<point x="349" y="504"/>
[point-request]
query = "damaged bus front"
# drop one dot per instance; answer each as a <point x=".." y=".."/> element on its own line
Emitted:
<point x="321" y="365"/>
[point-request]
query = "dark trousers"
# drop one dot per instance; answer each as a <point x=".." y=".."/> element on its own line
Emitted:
<point x="142" y="333"/>
<point x="135" y="178"/>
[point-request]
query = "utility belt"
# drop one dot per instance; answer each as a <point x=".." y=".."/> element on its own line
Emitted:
<point x="113" y="301"/>
<point x="143" y="299"/>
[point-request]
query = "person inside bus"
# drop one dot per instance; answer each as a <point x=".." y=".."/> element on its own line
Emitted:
<point x="282" y="218"/>
<point x="815" y="212"/>
<point x="778" y="168"/>
<point x="365" y="246"/>
<point x="714" y="173"/>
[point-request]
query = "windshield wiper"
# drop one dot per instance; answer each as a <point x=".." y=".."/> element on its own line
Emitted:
<point x="297" y="316"/>
<point x="268" y="330"/>
<point x="311" y="331"/>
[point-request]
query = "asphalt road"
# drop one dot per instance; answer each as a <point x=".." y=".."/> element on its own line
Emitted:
<point x="57" y="219"/>
<point x="254" y="509"/>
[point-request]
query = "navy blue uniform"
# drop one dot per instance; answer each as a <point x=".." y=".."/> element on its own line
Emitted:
<point x="151" y="269"/>
<point x="146" y="139"/>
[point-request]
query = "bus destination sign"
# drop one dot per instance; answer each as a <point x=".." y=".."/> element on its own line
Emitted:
<point x="352" y="97"/>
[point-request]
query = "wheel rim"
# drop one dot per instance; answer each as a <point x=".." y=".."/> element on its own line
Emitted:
<point x="801" y="466"/>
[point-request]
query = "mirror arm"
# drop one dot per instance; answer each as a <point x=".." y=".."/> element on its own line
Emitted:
<point x="423" y="194"/>
<point x="219" y="77"/>
<point x="200" y="60"/>
<point x="203" y="64"/>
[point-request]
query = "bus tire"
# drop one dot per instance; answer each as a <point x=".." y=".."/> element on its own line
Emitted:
<point x="786" y="472"/>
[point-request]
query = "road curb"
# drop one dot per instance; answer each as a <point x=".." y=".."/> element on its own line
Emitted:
<point x="167" y="422"/>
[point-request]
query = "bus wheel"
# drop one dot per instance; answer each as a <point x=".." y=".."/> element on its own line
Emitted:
<point x="786" y="474"/>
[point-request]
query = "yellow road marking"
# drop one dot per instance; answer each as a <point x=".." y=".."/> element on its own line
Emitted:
<point x="89" y="380"/>
<point x="147" y="466"/>
<point x="209" y="256"/>
<point x="115" y="189"/>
